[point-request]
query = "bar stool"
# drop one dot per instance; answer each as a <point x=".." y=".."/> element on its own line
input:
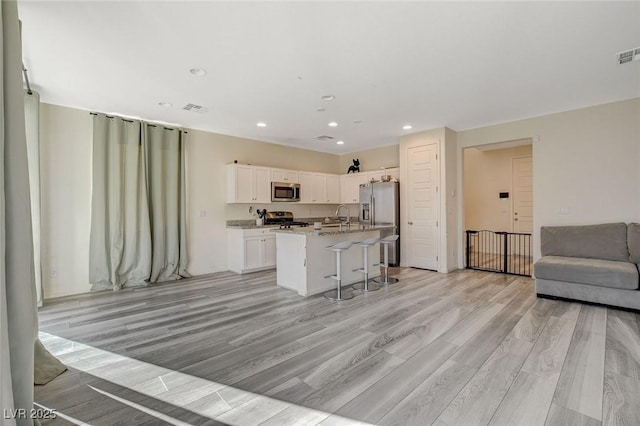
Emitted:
<point x="338" y="294"/>
<point x="386" y="280"/>
<point x="365" y="285"/>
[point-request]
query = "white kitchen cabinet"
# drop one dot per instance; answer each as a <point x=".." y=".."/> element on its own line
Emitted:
<point x="251" y="250"/>
<point x="350" y="187"/>
<point x="248" y="184"/>
<point x="319" y="188"/>
<point x="332" y="189"/>
<point x="306" y="187"/>
<point x="282" y="175"/>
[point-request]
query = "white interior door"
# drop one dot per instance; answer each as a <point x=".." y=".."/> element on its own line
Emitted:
<point x="423" y="206"/>
<point x="522" y="169"/>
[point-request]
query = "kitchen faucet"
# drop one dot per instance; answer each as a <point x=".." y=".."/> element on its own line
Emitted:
<point x="348" y="221"/>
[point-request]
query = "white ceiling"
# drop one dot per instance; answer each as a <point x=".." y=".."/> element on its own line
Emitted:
<point x="430" y="64"/>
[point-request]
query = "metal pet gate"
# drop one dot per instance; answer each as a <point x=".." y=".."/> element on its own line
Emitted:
<point x="505" y="252"/>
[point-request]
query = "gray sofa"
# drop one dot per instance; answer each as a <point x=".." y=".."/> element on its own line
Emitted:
<point x="594" y="263"/>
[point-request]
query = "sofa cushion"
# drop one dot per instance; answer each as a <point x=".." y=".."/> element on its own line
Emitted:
<point x="603" y="273"/>
<point x="633" y="239"/>
<point x="607" y="241"/>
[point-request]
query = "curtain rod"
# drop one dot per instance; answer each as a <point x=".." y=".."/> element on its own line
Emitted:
<point x="26" y="79"/>
<point x="131" y="121"/>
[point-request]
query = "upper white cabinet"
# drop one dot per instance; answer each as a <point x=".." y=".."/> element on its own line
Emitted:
<point x="350" y="187"/>
<point x="248" y="184"/>
<point x="319" y="188"/>
<point x="282" y="175"/>
<point x="332" y="189"/>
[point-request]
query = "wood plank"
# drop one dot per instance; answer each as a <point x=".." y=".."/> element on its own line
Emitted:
<point x="621" y="400"/>
<point x="479" y="347"/>
<point x="529" y="399"/>
<point x="581" y="381"/>
<point x="623" y="344"/>
<point x="352" y="382"/>
<point x="429" y="399"/>
<point x="478" y="400"/>
<point x="376" y="401"/>
<point x="560" y="416"/>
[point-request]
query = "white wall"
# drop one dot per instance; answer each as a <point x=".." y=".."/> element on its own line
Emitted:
<point x="450" y="197"/>
<point x="66" y="157"/>
<point x="65" y="162"/>
<point x="486" y="174"/>
<point x="372" y="159"/>
<point x="585" y="161"/>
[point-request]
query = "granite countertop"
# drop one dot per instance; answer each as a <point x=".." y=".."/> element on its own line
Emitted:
<point x="334" y="230"/>
<point x="251" y="223"/>
<point x="251" y="226"/>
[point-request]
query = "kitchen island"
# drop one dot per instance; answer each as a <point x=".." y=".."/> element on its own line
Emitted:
<point x="303" y="260"/>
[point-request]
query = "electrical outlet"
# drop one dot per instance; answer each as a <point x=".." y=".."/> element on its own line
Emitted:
<point x="53" y="273"/>
<point x="203" y="213"/>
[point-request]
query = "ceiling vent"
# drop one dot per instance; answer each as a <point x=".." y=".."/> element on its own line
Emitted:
<point x="324" y="138"/>
<point x="629" y="55"/>
<point x="195" y="108"/>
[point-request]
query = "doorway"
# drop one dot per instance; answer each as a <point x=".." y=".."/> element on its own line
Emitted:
<point x="498" y="207"/>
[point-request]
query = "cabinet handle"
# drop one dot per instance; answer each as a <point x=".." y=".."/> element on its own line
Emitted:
<point x="410" y="223"/>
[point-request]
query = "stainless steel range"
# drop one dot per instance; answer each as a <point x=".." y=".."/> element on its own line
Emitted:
<point x="284" y="219"/>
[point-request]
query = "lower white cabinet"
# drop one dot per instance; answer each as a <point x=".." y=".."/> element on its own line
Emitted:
<point x="250" y="250"/>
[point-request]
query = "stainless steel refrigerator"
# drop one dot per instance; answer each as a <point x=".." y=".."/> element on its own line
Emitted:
<point x="380" y="205"/>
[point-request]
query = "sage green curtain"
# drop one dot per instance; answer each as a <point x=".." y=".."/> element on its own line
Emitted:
<point x="164" y="150"/>
<point x="138" y="221"/>
<point x="18" y="321"/>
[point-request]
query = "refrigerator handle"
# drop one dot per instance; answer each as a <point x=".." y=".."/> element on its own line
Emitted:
<point x="373" y="211"/>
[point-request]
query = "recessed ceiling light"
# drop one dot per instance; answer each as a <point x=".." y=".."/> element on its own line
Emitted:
<point x="261" y="124"/>
<point x="328" y="97"/>
<point x="333" y="124"/>
<point x="407" y="127"/>
<point x="165" y="104"/>
<point x="340" y="142"/>
<point x="198" y="71"/>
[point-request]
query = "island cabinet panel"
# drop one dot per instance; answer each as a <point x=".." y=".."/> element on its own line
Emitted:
<point x="251" y="250"/>
<point x="304" y="262"/>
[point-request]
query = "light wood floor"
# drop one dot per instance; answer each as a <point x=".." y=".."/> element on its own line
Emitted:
<point x="464" y="348"/>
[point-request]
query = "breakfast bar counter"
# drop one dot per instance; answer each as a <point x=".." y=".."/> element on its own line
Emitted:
<point x="303" y="260"/>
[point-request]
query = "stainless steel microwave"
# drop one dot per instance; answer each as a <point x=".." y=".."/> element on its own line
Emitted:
<point x="283" y="191"/>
